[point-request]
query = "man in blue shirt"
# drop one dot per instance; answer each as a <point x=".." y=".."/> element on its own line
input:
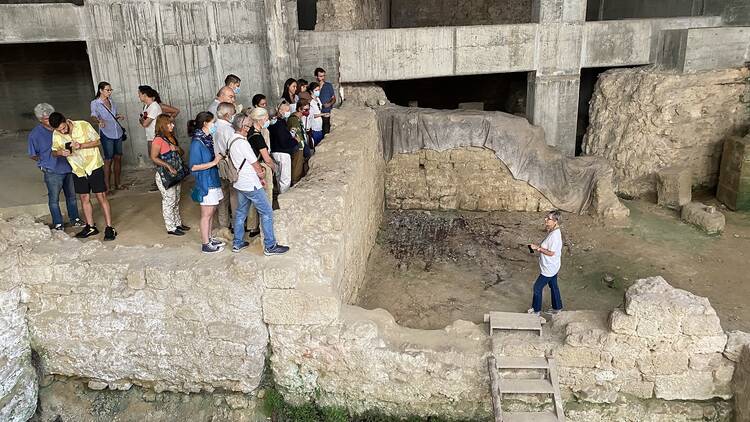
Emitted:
<point x="327" y="98"/>
<point x="58" y="176"/>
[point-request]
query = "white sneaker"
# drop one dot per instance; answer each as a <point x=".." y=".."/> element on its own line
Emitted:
<point x="533" y="312"/>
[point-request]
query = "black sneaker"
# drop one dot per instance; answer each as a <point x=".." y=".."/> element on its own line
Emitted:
<point x="57" y="227"/>
<point x="276" y="250"/>
<point x="87" y="231"/>
<point x="217" y="243"/>
<point x="236" y="248"/>
<point x="176" y="232"/>
<point x="110" y="233"/>
<point x="209" y="248"/>
<point x="77" y="223"/>
<point x="183" y="227"/>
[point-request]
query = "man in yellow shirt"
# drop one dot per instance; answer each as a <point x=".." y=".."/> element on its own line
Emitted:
<point x="78" y="142"/>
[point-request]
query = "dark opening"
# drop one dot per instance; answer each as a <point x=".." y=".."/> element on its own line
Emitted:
<point x="54" y="73"/>
<point x="598" y="10"/>
<point x="498" y="92"/>
<point x="589" y="77"/>
<point x="307" y="14"/>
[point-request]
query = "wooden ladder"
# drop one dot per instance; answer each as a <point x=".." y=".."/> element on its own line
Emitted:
<point x="548" y="385"/>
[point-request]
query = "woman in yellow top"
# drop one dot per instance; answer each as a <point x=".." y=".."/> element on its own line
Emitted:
<point x="78" y="142"/>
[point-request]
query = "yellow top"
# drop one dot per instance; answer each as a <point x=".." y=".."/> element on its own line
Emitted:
<point x="83" y="161"/>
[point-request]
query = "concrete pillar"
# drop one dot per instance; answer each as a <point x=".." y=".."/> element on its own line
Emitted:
<point x="281" y="22"/>
<point x="553" y="90"/>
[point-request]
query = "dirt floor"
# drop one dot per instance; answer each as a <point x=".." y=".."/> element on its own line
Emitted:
<point x="431" y="268"/>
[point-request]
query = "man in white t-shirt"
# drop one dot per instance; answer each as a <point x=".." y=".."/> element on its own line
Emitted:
<point x="225" y="95"/>
<point x="224" y="134"/>
<point x="250" y="188"/>
<point x="550" y="254"/>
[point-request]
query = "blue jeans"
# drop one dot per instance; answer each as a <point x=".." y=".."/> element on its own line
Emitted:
<point x="260" y="200"/>
<point x="317" y="137"/>
<point x="56" y="183"/>
<point x="110" y="147"/>
<point x="541" y="282"/>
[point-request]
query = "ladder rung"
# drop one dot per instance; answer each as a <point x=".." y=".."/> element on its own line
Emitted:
<point x="512" y="362"/>
<point x="529" y="417"/>
<point x="525" y="386"/>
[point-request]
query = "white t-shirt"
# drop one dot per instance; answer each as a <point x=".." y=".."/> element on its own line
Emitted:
<point x="247" y="178"/>
<point x="224" y="134"/>
<point x="550" y="265"/>
<point x="214" y="107"/>
<point x="313" y="123"/>
<point x="153" y="111"/>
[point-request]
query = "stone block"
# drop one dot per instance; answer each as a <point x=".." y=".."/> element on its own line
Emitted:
<point x="622" y="323"/>
<point x="736" y="340"/>
<point x="295" y="307"/>
<point x="674" y="186"/>
<point x="663" y="363"/>
<point x="640" y="389"/>
<point x="734" y="174"/>
<point x="702" y="325"/>
<point x="690" y="385"/>
<point x="705" y="217"/>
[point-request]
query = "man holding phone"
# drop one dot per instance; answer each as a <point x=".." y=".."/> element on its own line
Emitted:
<point x="78" y="142"/>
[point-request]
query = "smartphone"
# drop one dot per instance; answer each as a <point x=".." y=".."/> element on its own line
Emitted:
<point x="531" y="251"/>
<point x="69" y="146"/>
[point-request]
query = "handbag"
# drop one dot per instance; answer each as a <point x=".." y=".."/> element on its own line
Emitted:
<point x="182" y="171"/>
<point x="124" y="132"/>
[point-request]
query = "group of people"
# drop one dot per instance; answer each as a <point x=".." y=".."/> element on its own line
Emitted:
<point x="240" y="157"/>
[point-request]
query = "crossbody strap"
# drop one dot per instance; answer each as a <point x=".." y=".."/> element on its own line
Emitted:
<point x="113" y="116"/>
<point x="229" y="155"/>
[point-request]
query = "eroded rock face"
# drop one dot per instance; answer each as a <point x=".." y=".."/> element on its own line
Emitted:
<point x="742" y="386"/>
<point x="343" y="15"/>
<point x="18" y="380"/>
<point x="644" y="120"/>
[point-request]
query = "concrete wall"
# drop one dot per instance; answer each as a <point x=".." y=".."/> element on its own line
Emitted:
<point x="699" y="49"/>
<point x="449" y="180"/>
<point x="422" y="13"/>
<point x="56" y="73"/>
<point x="183" y="49"/>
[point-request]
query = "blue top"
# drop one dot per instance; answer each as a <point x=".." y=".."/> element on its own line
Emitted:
<point x="201" y="154"/>
<point x="40" y="145"/>
<point x="112" y="128"/>
<point x="326" y="93"/>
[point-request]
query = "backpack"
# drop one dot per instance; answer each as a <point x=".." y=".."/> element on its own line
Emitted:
<point x="227" y="170"/>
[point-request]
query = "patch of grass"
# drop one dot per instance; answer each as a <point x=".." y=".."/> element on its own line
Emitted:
<point x="281" y="411"/>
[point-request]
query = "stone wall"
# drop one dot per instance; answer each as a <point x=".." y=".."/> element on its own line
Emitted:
<point x="421" y="13"/>
<point x="644" y="120"/>
<point x="18" y="381"/>
<point x="165" y="319"/>
<point x="344" y="15"/>
<point x="472" y="179"/>
<point x="742" y="385"/>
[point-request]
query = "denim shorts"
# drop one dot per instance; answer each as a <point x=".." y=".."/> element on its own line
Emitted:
<point x="111" y="147"/>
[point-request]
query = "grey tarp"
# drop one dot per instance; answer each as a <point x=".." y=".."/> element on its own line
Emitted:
<point x="566" y="182"/>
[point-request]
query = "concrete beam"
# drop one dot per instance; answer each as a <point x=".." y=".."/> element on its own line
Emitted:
<point x="698" y="49"/>
<point x="34" y="23"/>
<point x="631" y="42"/>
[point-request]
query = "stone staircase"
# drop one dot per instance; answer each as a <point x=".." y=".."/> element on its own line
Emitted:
<point x="548" y="385"/>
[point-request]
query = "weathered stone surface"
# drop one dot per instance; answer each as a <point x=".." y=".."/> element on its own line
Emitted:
<point x="423" y="13"/>
<point x="364" y="94"/>
<point x="168" y="321"/>
<point x="706" y="218"/>
<point x="432" y="180"/>
<point x="342" y="15"/>
<point x="674" y="186"/>
<point x="734" y="177"/>
<point x="736" y="340"/>
<point x="741" y="386"/>
<point x="18" y="380"/>
<point x="643" y="120"/>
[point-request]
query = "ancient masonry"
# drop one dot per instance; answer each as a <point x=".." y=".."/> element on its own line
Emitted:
<point x="119" y="317"/>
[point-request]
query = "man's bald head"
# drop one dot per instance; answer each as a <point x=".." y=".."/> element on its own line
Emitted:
<point x="226" y="95"/>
